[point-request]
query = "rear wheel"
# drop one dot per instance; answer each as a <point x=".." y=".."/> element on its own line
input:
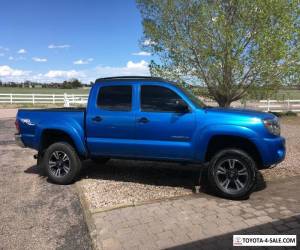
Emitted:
<point x="232" y="174"/>
<point x="61" y="163"/>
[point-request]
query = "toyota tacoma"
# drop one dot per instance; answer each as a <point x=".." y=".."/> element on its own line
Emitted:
<point x="149" y="118"/>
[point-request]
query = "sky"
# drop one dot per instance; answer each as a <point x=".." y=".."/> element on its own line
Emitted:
<point x="55" y="40"/>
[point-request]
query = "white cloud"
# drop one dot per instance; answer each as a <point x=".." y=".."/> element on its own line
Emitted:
<point x="64" y="74"/>
<point x="6" y="71"/>
<point x="22" y="51"/>
<point x="141" y="53"/>
<point x="82" y="61"/>
<point x="19" y="58"/>
<point x="3" y="48"/>
<point x="37" y="59"/>
<point x="2" y="54"/>
<point x="131" y="68"/>
<point x="148" y="42"/>
<point x="142" y="65"/>
<point x="59" y="46"/>
<point x="86" y="75"/>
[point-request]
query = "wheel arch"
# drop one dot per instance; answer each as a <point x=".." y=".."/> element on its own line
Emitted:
<point x="222" y="141"/>
<point x="48" y="136"/>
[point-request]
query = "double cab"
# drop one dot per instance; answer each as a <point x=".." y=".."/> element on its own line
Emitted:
<point x="149" y="118"/>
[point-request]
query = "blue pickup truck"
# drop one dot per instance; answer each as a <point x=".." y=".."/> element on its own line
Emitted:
<point x="153" y="119"/>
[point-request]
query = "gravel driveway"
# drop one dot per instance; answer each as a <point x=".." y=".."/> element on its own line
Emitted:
<point x="290" y="129"/>
<point x="35" y="214"/>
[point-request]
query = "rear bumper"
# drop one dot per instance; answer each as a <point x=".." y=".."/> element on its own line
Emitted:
<point x="272" y="150"/>
<point x="18" y="140"/>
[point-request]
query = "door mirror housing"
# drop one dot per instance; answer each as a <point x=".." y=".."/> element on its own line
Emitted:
<point x="181" y="107"/>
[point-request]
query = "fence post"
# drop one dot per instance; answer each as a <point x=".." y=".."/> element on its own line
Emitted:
<point x="53" y="98"/>
<point x="11" y="98"/>
<point x="288" y="104"/>
<point x="66" y="101"/>
<point x="268" y="105"/>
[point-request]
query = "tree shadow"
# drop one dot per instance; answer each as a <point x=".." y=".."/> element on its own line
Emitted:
<point x="287" y="226"/>
<point x="144" y="172"/>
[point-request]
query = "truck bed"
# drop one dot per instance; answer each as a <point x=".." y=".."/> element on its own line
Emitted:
<point x="33" y="122"/>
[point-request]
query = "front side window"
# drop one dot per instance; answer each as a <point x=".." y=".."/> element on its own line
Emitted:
<point x="115" y="98"/>
<point x="158" y="99"/>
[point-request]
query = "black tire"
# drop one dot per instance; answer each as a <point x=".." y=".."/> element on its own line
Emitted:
<point x="100" y="161"/>
<point x="39" y="164"/>
<point x="63" y="155"/>
<point x="232" y="174"/>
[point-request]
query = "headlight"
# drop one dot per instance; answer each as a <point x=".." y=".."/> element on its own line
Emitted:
<point x="272" y="126"/>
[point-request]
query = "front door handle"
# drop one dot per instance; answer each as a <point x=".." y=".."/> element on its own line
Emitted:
<point x="97" y="119"/>
<point x="143" y="120"/>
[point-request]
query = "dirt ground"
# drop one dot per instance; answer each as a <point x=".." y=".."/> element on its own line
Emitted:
<point x="35" y="214"/>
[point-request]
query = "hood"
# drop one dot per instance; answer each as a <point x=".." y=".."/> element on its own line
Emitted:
<point x="241" y="112"/>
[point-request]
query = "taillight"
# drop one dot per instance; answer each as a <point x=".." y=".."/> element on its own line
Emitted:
<point x="17" y="126"/>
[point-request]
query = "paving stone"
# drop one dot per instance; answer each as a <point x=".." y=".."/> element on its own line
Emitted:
<point x="270" y="204"/>
<point x="271" y="210"/>
<point x="252" y="222"/>
<point x="260" y="213"/>
<point x="286" y="212"/>
<point x="248" y="215"/>
<point x="111" y="244"/>
<point x="281" y="228"/>
<point x="264" y="219"/>
<point x="293" y="225"/>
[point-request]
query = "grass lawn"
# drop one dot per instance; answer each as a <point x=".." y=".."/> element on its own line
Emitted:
<point x="42" y="91"/>
<point x="289" y="94"/>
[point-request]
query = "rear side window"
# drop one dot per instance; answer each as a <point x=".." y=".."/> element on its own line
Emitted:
<point x="115" y="98"/>
<point x="158" y="99"/>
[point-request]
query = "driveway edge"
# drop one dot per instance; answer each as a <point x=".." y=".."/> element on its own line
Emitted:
<point x="88" y="217"/>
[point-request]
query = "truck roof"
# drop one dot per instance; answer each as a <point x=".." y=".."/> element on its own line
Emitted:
<point x="129" y="78"/>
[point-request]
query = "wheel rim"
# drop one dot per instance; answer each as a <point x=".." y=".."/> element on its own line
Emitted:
<point x="232" y="175"/>
<point x="59" y="164"/>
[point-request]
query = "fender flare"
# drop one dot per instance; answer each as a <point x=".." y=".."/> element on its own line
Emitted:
<point x="73" y="130"/>
<point x="205" y="135"/>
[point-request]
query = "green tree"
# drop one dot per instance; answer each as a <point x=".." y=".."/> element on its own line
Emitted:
<point x="228" y="46"/>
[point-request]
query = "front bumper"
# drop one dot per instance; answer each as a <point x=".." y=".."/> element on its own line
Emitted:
<point x="18" y="140"/>
<point x="273" y="150"/>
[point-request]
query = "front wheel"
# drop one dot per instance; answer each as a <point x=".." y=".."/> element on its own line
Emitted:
<point x="61" y="163"/>
<point x="232" y="173"/>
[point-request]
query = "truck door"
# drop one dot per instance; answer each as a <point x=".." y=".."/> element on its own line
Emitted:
<point x="162" y="131"/>
<point x="110" y="121"/>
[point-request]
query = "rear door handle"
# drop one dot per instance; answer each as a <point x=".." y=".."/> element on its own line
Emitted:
<point x="97" y="119"/>
<point x="143" y="120"/>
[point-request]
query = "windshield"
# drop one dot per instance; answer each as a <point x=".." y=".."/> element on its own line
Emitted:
<point x="194" y="99"/>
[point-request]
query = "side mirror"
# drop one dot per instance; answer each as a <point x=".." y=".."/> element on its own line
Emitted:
<point x="181" y="107"/>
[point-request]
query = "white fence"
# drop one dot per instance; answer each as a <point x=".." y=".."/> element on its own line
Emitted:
<point x="74" y="99"/>
<point x="264" y="105"/>
<point x="66" y="99"/>
<point x="280" y="106"/>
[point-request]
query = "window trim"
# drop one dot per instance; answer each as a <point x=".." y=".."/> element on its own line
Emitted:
<point x="117" y="85"/>
<point x="160" y="111"/>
